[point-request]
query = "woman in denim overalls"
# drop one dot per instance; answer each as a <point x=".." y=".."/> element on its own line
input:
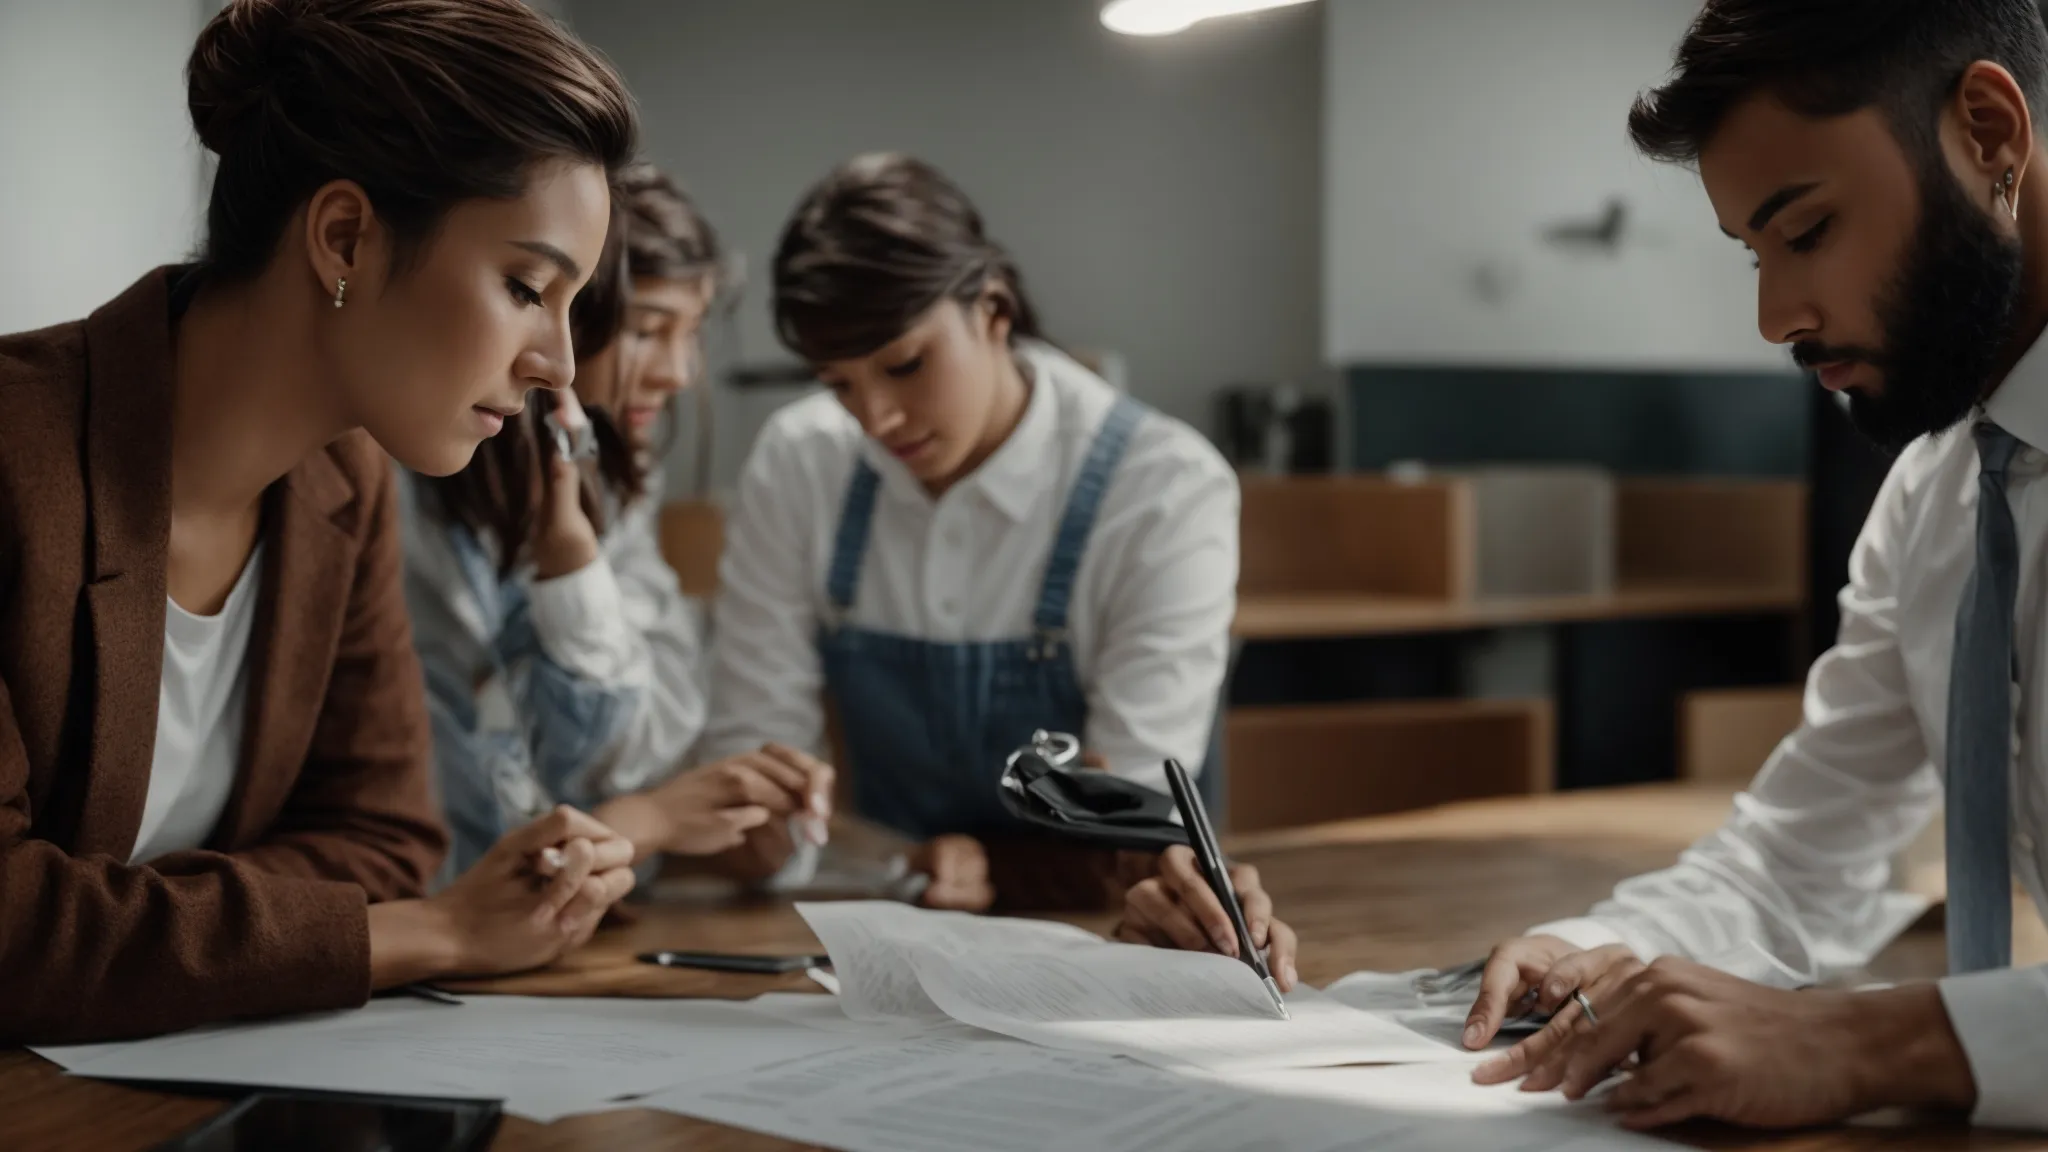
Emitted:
<point x="967" y="537"/>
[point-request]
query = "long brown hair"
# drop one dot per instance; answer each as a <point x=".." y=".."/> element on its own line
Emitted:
<point x="873" y="247"/>
<point x="656" y="233"/>
<point x="424" y="103"/>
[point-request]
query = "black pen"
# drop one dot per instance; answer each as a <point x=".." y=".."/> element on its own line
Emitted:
<point x="1209" y="854"/>
<point x="425" y="993"/>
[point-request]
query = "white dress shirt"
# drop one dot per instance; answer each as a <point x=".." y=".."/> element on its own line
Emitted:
<point x="1799" y="872"/>
<point x="200" y="704"/>
<point x="1152" y="603"/>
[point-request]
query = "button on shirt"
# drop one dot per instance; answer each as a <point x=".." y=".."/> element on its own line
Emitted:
<point x="1794" y="885"/>
<point x="1152" y="604"/>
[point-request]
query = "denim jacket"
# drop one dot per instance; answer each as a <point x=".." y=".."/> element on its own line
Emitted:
<point x="573" y="690"/>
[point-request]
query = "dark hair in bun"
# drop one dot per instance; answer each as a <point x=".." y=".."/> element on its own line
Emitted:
<point x="425" y="103"/>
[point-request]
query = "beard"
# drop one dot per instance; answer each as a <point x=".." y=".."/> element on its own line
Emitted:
<point x="1946" y="317"/>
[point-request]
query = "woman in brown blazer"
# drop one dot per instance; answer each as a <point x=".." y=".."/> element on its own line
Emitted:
<point x="215" y="797"/>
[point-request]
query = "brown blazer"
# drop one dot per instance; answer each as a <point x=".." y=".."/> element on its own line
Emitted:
<point x="332" y="805"/>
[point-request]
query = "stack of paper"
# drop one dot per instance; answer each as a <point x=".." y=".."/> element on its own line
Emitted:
<point x="873" y="943"/>
<point x="545" y="1057"/>
<point x="952" y="1033"/>
<point x="1063" y="988"/>
<point x="974" y="1092"/>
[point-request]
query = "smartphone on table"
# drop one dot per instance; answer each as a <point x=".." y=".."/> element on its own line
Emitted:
<point x="339" y="1122"/>
<point x="736" y="962"/>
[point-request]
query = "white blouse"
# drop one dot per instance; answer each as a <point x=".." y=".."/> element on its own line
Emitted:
<point x="201" y="704"/>
<point x="1150" y="617"/>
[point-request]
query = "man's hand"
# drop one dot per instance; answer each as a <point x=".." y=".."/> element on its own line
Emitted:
<point x="1707" y="1044"/>
<point x="1539" y="973"/>
<point x="1170" y="905"/>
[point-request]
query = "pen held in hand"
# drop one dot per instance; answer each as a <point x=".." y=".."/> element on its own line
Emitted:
<point x="423" y="992"/>
<point x="1209" y="856"/>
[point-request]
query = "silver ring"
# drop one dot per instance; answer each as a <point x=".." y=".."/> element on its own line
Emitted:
<point x="1586" y="1006"/>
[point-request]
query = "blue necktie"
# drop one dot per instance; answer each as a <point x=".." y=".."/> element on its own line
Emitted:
<point x="1980" y="727"/>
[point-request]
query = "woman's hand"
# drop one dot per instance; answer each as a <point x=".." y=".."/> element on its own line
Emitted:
<point x="539" y="892"/>
<point x="1168" y="904"/>
<point x="564" y="540"/>
<point x="717" y="807"/>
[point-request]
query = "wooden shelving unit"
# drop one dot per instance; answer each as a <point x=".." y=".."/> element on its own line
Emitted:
<point x="1366" y="556"/>
<point x="1290" y="766"/>
<point x="1360" y="556"/>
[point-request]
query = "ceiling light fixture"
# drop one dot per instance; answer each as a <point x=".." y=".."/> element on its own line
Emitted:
<point x="1165" y="17"/>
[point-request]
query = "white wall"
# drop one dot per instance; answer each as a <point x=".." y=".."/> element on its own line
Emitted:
<point x="1160" y="195"/>
<point x="99" y="169"/>
<point x="1458" y="131"/>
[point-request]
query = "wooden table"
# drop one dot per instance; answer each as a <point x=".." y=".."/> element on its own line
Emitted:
<point x="1397" y="892"/>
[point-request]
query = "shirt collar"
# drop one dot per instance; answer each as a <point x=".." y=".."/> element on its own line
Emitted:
<point x="1012" y="477"/>
<point x="2020" y="406"/>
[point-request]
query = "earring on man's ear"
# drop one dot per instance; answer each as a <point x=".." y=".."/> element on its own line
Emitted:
<point x="340" y="290"/>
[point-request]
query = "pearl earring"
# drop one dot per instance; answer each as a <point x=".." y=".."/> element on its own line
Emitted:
<point x="2005" y="194"/>
<point x="340" y="290"/>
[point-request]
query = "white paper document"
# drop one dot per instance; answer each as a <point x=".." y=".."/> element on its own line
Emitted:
<point x="996" y="1095"/>
<point x="1172" y="1009"/>
<point x="1433" y="1089"/>
<point x="1392" y="996"/>
<point x="826" y="1014"/>
<point x="545" y="1057"/>
<point x="870" y="942"/>
<point x="1386" y="992"/>
<point x="798" y="1067"/>
<point x="1058" y="986"/>
<point x="72" y="1056"/>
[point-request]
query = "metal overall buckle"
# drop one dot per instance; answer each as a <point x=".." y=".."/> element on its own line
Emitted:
<point x="1053" y="749"/>
<point x="1046" y="643"/>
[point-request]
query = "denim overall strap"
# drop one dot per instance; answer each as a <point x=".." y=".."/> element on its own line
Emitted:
<point x="850" y="547"/>
<point x="1055" y="595"/>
